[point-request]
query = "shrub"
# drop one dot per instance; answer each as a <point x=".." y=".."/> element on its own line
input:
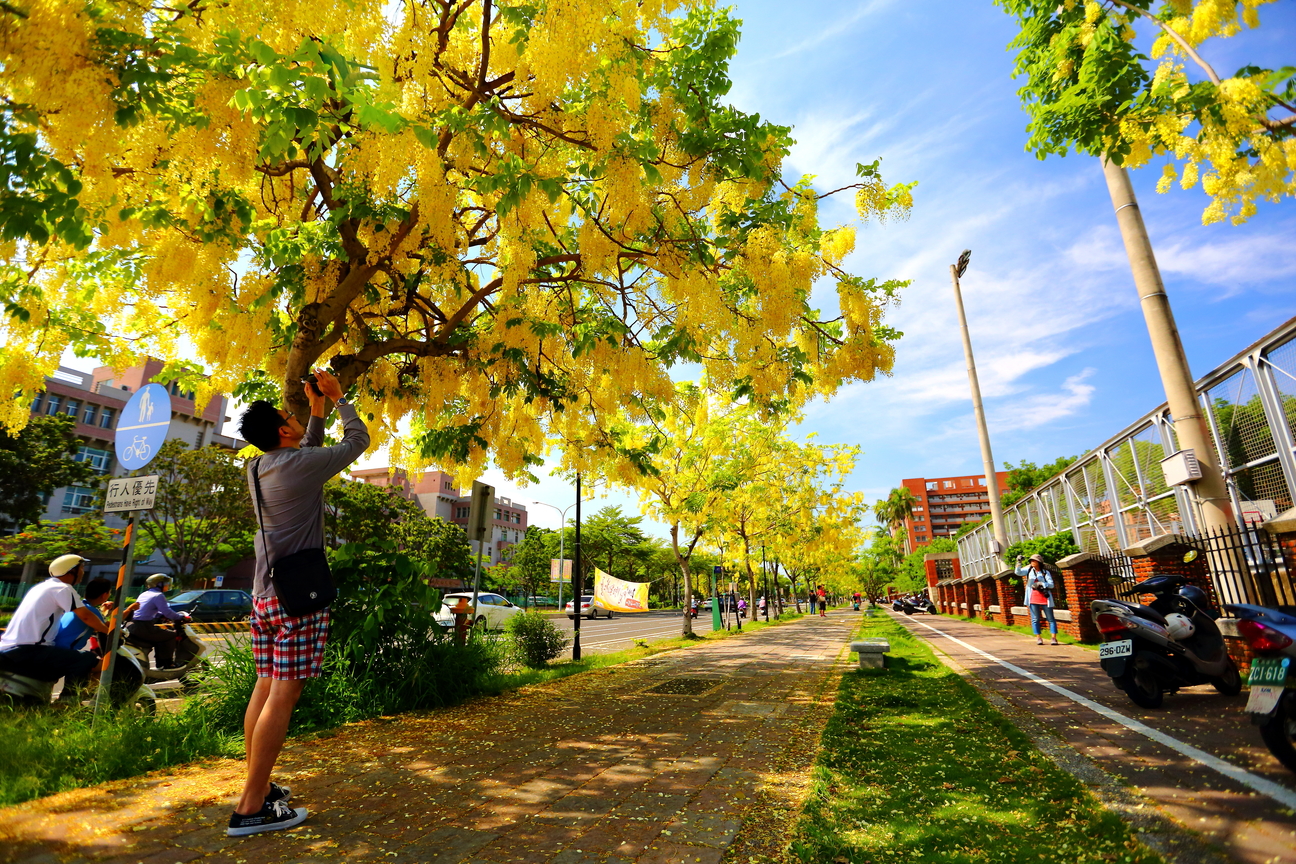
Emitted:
<point x="1052" y="548"/>
<point x="386" y="653"/>
<point x="535" y="639"/>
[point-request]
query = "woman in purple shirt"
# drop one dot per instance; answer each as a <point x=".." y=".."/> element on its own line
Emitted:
<point x="150" y="610"/>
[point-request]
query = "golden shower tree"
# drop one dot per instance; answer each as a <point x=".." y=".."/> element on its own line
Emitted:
<point x="501" y="220"/>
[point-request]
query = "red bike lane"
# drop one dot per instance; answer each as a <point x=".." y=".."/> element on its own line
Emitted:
<point x="1248" y="816"/>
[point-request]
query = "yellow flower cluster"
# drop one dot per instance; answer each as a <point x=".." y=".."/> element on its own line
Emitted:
<point x="1236" y="159"/>
<point x="505" y="252"/>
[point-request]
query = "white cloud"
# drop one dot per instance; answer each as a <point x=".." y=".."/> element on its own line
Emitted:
<point x="833" y="30"/>
<point x="1044" y="408"/>
<point x="1235" y="263"/>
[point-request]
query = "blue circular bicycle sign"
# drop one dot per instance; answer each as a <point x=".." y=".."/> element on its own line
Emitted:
<point x="143" y="426"/>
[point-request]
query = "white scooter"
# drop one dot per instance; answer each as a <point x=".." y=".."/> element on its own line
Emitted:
<point x="190" y="655"/>
<point x="128" y="687"/>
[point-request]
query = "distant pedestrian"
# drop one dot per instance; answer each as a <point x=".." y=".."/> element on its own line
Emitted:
<point x="823" y="602"/>
<point x="1039" y="595"/>
<point x="288" y="495"/>
<point x="811" y="599"/>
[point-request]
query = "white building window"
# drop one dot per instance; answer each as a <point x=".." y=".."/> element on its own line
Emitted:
<point x="78" y="500"/>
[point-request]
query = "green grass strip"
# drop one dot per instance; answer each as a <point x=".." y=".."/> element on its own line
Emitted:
<point x="47" y="751"/>
<point x="916" y="766"/>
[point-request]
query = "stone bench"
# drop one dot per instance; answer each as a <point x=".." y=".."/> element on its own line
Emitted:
<point x="872" y="653"/>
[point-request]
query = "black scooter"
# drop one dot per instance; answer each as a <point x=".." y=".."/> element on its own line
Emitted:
<point x="1153" y="650"/>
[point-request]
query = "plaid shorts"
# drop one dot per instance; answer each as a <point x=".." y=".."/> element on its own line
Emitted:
<point x="287" y="648"/>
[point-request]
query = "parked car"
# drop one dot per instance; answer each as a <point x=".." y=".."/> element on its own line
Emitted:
<point x="213" y="604"/>
<point x="493" y="610"/>
<point x="590" y="608"/>
<point x="726" y="604"/>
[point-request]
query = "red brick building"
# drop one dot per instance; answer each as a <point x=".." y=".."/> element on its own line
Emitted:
<point x="945" y="503"/>
<point x="438" y="495"/>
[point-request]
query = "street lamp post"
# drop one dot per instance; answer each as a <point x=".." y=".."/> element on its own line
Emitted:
<point x="987" y="458"/>
<point x="562" y="538"/>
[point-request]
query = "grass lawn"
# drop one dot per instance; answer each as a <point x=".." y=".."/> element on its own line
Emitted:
<point x="916" y="766"/>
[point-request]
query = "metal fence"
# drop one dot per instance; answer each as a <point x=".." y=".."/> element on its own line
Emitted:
<point x="1246" y="565"/>
<point x="13" y="592"/>
<point x="1116" y="495"/>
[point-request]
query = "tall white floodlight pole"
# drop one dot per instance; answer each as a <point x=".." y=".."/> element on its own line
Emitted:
<point x="562" y="539"/>
<point x="987" y="457"/>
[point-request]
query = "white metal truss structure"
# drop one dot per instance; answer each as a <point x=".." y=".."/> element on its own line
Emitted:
<point x="1116" y="495"/>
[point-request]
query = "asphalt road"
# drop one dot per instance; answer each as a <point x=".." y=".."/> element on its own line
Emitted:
<point x="601" y="634"/>
<point x="618" y="633"/>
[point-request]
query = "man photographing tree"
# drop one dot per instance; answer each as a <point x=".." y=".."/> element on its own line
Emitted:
<point x="287" y="484"/>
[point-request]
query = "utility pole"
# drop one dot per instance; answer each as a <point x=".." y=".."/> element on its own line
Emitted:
<point x="987" y="457"/>
<point x="578" y="590"/>
<point x="1216" y="510"/>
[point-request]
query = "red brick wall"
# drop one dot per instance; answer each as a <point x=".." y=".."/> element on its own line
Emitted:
<point x="1085" y="582"/>
<point x="1009" y="596"/>
<point x="986" y="597"/>
<point x="1169" y="561"/>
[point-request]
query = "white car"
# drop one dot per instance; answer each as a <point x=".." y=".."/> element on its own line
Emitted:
<point x="590" y="608"/>
<point x="492" y="609"/>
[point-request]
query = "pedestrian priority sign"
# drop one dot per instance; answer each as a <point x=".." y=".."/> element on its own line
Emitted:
<point x="131" y="493"/>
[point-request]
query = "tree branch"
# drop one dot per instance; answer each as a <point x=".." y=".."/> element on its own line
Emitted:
<point x="1179" y="40"/>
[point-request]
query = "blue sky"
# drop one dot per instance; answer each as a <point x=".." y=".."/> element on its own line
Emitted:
<point x="1061" y="345"/>
<point x="1060" y="341"/>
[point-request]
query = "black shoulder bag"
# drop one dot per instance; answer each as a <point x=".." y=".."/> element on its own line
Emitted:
<point x="301" y="580"/>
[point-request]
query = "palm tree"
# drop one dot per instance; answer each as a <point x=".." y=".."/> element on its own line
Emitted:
<point x="897" y="507"/>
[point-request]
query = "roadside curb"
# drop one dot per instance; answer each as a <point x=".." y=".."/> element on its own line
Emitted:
<point x="220" y="626"/>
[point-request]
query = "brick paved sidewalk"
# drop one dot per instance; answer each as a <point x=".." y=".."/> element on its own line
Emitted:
<point x="656" y="762"/>
<point x="1246" y="826"/>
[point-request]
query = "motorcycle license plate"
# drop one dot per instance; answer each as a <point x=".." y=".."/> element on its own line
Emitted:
<point x="1268" y="671"/>
<point x="1123" y="648"/>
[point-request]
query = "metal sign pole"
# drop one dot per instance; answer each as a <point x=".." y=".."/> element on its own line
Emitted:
<point x="479" y="529"/>
<point x="578" y="589"/>
<point x="715" y="598"/>
<point x="124" y="574"/>
<point x="476" y="581"/>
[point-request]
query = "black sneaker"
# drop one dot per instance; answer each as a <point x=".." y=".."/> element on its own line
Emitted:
<point x="273" y="817"/>
<point x="278" y="793"/>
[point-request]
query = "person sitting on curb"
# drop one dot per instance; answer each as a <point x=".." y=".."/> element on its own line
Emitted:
<point x="1039" y="595"/>
<point x="73" y="632"/>
<point x="27" y="646"/>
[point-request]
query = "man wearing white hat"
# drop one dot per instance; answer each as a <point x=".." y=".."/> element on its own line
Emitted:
<point x="27" y="646"/>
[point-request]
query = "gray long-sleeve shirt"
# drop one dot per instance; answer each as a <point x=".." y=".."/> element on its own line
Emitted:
<point x="292" y="492"/>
